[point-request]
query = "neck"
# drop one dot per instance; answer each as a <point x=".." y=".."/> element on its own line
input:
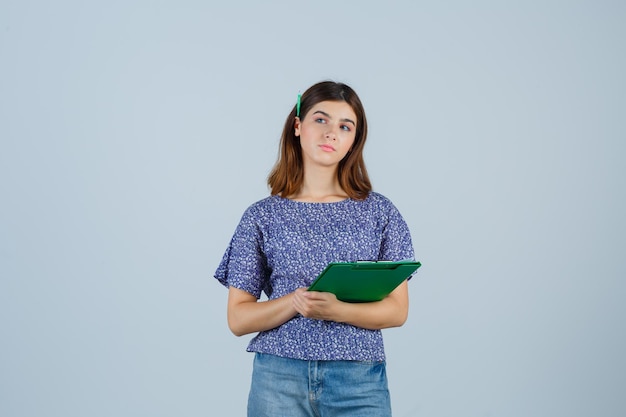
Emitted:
<point x="321" y="185"/>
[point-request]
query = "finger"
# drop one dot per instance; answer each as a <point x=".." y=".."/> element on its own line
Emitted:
<point x="315" y="295"/>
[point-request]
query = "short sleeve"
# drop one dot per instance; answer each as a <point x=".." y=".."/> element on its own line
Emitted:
<point x="396" y="240"/>
<point x="244" y="265"/>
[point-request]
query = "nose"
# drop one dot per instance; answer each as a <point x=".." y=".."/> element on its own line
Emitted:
<point x="331" y="135"/>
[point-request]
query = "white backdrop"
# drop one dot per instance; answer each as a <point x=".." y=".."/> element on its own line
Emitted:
<point x="134" y="135"/>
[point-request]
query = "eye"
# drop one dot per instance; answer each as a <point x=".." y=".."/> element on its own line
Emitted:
<point x="320" y="120"/>
<point x="345" y="128"/>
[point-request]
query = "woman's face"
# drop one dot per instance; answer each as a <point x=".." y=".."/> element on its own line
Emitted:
<point x="326" y="133"/>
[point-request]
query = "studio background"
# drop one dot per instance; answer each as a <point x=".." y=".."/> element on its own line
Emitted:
<point x="135" y="134"/>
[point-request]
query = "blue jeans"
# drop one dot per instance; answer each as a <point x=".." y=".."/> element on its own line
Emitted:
<point x="283" y="387"/>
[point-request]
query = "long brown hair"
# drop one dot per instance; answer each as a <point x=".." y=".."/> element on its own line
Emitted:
<point x="287" y="176"/>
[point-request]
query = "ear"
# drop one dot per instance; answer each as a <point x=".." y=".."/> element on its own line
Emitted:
<point x="297" y="125"/>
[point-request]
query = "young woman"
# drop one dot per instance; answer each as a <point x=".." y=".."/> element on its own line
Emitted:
<point x="316" y="355"/>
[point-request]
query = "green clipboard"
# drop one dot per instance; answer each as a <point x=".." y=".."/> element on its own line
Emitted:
<point x="361" y="282"/>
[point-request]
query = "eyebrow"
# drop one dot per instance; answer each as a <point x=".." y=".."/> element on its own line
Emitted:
<point x="328" y="115"/>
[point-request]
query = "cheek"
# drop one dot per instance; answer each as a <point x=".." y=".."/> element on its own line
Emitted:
<point x="349" y="141"/>
<point x="306" y="130"/>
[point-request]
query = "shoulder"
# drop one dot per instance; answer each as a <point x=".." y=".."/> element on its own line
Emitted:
<point x="263" y="204"/>
<point x="380" y="201"/>
<point x="378" y="198"/>
<point x="263" y="209"/>
<point x="382" y="206"/>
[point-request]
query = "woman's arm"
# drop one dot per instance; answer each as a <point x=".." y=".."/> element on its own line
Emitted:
<point x="247" y="315"/>
<point x="392" y="311"/>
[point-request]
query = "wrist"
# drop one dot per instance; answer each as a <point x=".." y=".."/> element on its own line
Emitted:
<point x="342" y="312"/>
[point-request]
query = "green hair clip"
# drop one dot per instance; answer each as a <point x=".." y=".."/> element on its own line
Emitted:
<point x="298" y="105"/>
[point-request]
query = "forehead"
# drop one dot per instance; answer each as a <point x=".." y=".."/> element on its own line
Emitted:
<point x="335" y="109"/>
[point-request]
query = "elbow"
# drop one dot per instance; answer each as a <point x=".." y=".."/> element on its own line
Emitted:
<point x="236" y="328"/>
<point x="238" y="333"/>
<point x="401" y="310"/>
<point x="395" y="320"/>
<point x="403" y="317"/>
<point x="399" y="318"/>
<point x="393" y="324"/>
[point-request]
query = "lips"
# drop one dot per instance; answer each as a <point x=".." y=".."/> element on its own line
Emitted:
<point x="327" y="148"/>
